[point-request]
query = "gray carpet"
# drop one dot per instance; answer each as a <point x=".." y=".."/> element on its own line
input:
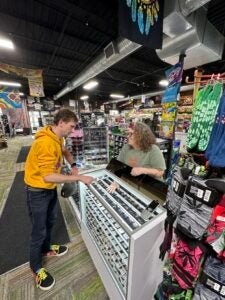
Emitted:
<point x="23" y="154"/>
<point x="15" y="228"/>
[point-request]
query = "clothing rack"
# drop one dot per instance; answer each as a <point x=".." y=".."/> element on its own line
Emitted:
<point x="198" y="82"/>
<point x="209" y="76"/>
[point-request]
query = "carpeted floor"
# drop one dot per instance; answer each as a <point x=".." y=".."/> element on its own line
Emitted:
<point x="15" y="228"/>
<point x="75" y="274"/>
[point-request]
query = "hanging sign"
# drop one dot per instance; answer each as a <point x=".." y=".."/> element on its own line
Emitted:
<point x="174" y="77"/>
<point x="141" y="21"/>
<point x="169" y="100"/>
<point x="36" y="86"/>
<point x="168" y="111"/>
<point x="20" y="71"/>
<point x="34" y="76"/>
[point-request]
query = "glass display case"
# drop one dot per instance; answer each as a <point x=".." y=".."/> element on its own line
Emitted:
<point x="96" y="148"/>
<point x="122" y="231"/>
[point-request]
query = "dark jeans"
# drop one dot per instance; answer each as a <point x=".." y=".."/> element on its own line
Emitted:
<point x="42" y="206"/>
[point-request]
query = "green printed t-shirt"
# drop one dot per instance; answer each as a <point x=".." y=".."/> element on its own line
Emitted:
<point x="136" y="158"/>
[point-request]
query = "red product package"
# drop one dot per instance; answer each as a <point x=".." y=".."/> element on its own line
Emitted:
<point x="187" y="263"/>
<point x="217" y="224"/>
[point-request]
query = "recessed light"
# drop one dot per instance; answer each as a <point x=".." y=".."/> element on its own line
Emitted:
<point x="90" y="85"/>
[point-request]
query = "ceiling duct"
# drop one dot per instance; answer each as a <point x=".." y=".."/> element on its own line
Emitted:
<point x="123" y="47"/>
<point x="191" y="5"/>
<point x="195" y="36"/>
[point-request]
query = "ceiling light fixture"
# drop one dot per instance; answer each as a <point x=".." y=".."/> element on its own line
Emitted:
<point x="116" y="96"/>
<point x="90" y="85"/>
<point x="164" y="82"/>
<point x="9" y="83"/>
<point x="85" y="97"/>
<point x="21" y="94"/>
<point x="6" y="44"/>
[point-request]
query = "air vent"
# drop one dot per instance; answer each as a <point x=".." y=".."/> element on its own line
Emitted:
<point x="110" y="50"/>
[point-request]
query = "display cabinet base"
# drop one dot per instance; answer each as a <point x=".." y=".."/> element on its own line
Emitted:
<point x="109" y="283"/>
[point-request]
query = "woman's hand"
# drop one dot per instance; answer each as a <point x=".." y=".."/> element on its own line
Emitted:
<point x="112" y="187"/>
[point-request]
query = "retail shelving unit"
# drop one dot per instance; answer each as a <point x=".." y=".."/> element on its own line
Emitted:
<point x="118" y="140"/>
<point x="123" y="241"/>
<point x="116" y="143"/>
<point x="96" y="150"/>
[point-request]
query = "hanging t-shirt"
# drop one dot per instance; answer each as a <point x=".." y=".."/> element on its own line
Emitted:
<point x="136" y="158"/>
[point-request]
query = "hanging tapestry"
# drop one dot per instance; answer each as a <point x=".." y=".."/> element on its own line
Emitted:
<point x="36" y="86"/>
<point x="141" y="21"/>
<point x="34" y="76"/>
<point x="9" y="98"/>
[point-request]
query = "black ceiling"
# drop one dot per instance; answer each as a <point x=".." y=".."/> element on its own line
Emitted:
<point x="63" y="37"/>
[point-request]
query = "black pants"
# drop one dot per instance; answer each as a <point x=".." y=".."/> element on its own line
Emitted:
<point x="43" y="207"/>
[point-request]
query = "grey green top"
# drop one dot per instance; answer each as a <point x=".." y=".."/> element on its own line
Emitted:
<point x="135" y="158"/>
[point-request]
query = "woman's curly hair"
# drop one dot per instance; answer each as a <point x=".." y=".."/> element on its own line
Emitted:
<point x="143" y="136"/>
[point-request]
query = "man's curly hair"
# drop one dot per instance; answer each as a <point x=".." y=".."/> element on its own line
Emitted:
<point x="143" y="136"/>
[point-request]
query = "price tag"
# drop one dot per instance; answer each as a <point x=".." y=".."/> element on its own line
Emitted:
<point x="200" y="193"/>
<point x="207" y="195"/>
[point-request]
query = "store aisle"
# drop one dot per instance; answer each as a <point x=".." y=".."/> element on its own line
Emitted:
<point x="75" y="274"/>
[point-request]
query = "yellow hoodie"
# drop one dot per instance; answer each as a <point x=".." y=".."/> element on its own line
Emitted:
<point x="44" y="158"/>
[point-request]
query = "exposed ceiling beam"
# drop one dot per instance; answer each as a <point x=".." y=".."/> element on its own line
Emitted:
<point x="43" y="26"/>
<point x="67" y="6"/>
<point x="59" y="41"/>
<point x="37" y="53"/>
<point x="44" y="43"/>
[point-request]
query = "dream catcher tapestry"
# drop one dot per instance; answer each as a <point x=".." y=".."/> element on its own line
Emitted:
<point x="141" y="21"/>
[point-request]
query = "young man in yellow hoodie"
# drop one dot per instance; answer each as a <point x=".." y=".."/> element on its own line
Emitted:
<point x="42" y="173"/>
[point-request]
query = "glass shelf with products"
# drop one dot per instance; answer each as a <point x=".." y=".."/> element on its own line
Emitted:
<point x="95" y="149"/>
<point x="115" y="226"/>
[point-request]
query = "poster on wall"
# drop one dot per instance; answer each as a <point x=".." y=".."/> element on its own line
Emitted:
<point x="141" y="21"/>
<point x="9" y="98"/>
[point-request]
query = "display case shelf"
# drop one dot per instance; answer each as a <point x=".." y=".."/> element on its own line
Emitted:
<point x="96" y="145"/>
<point x="124" y="244"/>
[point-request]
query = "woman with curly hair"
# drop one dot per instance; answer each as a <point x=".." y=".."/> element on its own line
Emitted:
<point x="141" y="153"/>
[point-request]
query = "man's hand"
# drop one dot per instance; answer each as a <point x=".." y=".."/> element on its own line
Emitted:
<point x="74" y="170"/>
<point x="86" y="179"/>
<point x="136" y="171"/>
<point x="112" y="187"/>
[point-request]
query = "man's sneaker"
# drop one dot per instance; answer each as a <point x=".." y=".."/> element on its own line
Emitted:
<point x="56" y="250"/>
<point x="44" y="280"/>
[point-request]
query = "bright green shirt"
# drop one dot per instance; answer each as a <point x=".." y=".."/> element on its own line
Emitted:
<point x="136" y="158"/>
